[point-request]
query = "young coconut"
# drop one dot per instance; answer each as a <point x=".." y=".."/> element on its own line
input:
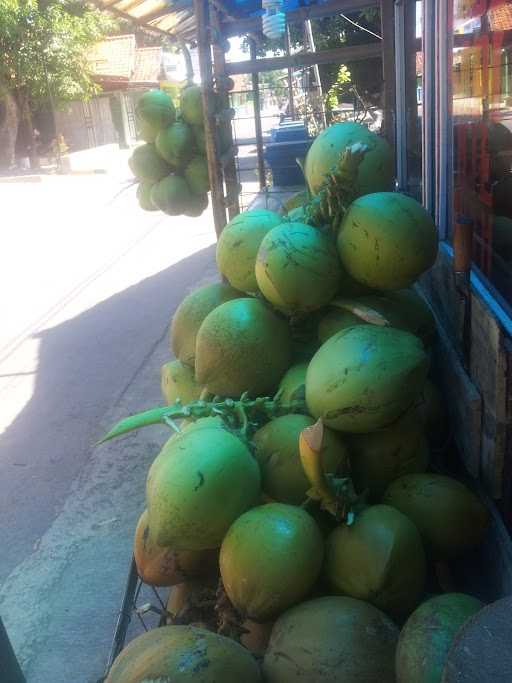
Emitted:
<point x="365" y="377"/>
<point x="177" y="381"/>
<point x="175" y="144"/>
<point x="190" y="314"/>
<point x="379" y="558"/>
<point x="242" y="346"/>
<point x="378" y="458"/>
<point x="144" y="196"/>
<point x="387" y="240"/>
<point x="171" y="195"/>
<point x="277" y="451"/>
<point x="450" y="518"/>
<point x="155" y="109"/>
<point x="332" y="640"/>
<point x="292" y="387"/>
<point x="201" y="481"/>
<point x="297" y="268"/>
<point x="181" y="654"/>
<point x="163" y="566"/>
<point x="146" y="164"/>
<point x="428" y="634"/>
<point x="270" y="559"/>
<point x="238" y="246"/>
<point x="374" y="174"/>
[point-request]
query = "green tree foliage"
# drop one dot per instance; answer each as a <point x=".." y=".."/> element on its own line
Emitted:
<point x="43" y="49"/>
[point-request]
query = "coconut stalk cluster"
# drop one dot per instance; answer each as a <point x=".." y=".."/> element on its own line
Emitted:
<point x="294" y="510"/>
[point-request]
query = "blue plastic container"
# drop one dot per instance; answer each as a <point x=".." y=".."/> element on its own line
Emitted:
<point x="289" y="141"/>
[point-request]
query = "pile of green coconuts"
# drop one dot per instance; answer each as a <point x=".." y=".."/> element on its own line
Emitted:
<point x="295" y="510"/>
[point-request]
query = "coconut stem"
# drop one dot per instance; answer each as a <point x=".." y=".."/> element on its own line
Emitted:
<point x="338" y="191"/>
<point x="242" y="414"/>
<point x="336" y="496"/>
<point x="229" y="618"/>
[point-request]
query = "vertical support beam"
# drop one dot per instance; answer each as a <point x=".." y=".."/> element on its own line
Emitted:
<point x="10" y="671"/>
<point x="219" y="69"/>
<point x="257" y="118"/>
<point x="444" y="142"/>
<point x="400" y="135"/>
<point x="290" y="73"/>
<point x="201" y="11"/>
<point x="387" y="21"/>
<point x="428" y="105"/>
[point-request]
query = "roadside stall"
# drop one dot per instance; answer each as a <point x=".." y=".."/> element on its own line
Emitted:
<point x="435" y="299"/>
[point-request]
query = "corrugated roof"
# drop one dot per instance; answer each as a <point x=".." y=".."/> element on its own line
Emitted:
<point x="118" y="59"/>
<point x="173" y="17"/>
<point x="113" y="57"/>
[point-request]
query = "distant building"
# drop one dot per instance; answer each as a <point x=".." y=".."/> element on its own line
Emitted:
<point x="124" y="71"/>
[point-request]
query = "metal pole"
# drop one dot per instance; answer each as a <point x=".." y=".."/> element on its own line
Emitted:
<point x="316" y="70"/>
<point x="290" y="74"/>
<point x="257" y="118"/>
<point x="400" y="116"/>
<point x="428" y="105"/>
<point x="201" y="11"/>
<point x="10" y="671"/>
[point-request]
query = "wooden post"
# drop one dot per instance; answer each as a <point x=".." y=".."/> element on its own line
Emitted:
<point x="219" y="69"/>
<point x="201" y="11"/>
<point x="257" y="117"/>
<point x="387" y="20"/>
<point x="10" y="671"/>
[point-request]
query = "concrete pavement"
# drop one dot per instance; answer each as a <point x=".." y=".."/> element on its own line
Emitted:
<point x="88" y="286"/>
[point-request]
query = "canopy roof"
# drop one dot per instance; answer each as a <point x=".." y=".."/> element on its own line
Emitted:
<point x="176" y="18"/>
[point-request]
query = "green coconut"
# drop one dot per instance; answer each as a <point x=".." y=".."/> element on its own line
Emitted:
<point x="196" y="175"/>
<point x="144" y="196"/>
<point x="332" y="640"/>
<point x="404" y="309"/>
<point x="242" y="346"/>
<point x="190" y="314"/>
<point x="191" y="105"/>
<point x="292" y="387"/>
<point x="376" y="172"/>
<point x="200" y="140"/>
<point x="387" y="240"/>
<point x="197" y="205"/>
<point x="450" y="517"/>
<point x="379" y="559"/>
<point x="277" y="451"/>
<point x="428" y="634"/>
<point x="432" y="411"/>
<point x="154" y="111"/>
<point x="201" y="481"/>
<point x="159" y="566"/>
<point x="145" y="164"/>
<point x="171" y="195"/>
<point x="238" y="245"/>
<point x="335" y="320"/>
<point x="365" y="377"/>
<point x="297" y="268"/>
<point x="270" y="559"/>
<point x="183" y="654"/>
<point x="177" y="381"/>
<point x="378" y="458"/>
<point x="175" y="144"/>
<point x="297" y="215"/>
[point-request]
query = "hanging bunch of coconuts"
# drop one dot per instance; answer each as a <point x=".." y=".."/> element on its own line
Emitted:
<point x="171" y="167"/>
<point x="294" y="508"/>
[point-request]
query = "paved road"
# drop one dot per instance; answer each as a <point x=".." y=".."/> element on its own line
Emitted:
<point x="88" y="284"/>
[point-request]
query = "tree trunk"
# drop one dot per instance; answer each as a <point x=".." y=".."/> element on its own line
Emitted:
<point x="28" y="139"/>
<point x="8" y="128"/>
